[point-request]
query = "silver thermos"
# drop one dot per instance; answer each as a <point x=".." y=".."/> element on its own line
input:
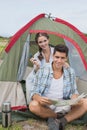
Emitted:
<point x="6" y="114"/>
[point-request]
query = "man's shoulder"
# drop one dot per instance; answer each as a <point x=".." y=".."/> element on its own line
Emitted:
<point x="45" y="68"/>
<point x="69" y="70"/>
<point x="44" y="71"/>
<point x="46" y="65"/>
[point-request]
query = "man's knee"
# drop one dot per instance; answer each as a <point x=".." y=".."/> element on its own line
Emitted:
<point x="33" y="106"/>
<point x="85" y="104"/>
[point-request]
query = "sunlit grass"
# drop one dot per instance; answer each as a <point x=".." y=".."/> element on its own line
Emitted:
<point x="32" y="124"/>
<point x="1" y="48"/>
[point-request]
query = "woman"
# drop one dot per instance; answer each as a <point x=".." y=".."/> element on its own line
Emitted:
<point x="42" y="57"/>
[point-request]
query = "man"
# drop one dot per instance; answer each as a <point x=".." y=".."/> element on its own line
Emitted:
<point x="56" y="82"/>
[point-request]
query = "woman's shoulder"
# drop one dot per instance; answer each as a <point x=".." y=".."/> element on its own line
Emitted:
<point x="52" y="49"/>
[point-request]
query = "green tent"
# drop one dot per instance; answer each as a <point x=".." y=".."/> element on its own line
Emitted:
<point x="14" y="63"/>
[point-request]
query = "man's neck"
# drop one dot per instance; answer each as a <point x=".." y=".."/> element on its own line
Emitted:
<point x="57" y="69"/>
<point x="57" y="72"/>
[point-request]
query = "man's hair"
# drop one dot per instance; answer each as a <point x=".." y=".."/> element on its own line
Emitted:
<point x="61" y="48"/>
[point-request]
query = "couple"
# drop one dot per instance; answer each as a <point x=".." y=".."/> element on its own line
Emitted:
<point x="54" y="81"/>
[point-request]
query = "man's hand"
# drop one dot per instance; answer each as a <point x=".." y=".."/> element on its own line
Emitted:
<point x="78" y="103"/>
<point x="42" y="100"/>
<point x="74" y="96"/>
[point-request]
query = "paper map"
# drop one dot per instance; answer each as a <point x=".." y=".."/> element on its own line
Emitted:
<point x="63" y="102"/>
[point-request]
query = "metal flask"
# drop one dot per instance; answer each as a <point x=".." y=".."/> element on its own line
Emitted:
<point x="6" y="114"/>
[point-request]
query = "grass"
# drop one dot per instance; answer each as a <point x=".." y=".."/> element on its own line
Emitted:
<point x="32" y="124"/>
<point x="3" y="42"/>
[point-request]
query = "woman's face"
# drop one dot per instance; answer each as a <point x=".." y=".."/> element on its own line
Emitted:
<point x="43" y="42"/>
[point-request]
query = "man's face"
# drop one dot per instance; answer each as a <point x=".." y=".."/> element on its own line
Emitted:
<point x="59" y="59"/>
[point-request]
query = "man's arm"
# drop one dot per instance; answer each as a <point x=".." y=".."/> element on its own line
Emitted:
<point x="36" y="97"/>
<point x="41" y="100"/>
<point x="74" y="91"/>
<point x="34" y="88"/>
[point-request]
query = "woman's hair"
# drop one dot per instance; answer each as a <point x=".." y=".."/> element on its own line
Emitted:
<point x="36" y="40"/>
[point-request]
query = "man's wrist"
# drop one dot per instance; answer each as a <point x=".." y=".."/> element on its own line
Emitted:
<point x="35" y="96"/>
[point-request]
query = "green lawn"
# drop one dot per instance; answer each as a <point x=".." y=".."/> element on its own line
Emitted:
<point x="32" y="124"/>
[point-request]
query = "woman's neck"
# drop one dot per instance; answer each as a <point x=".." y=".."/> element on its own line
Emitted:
<point x="47" y="50"/>
<point x="46" y="54"/>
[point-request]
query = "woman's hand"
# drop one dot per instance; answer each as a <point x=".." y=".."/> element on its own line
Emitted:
<point x="66" y="65"/>
<point x="35" y="62"/>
